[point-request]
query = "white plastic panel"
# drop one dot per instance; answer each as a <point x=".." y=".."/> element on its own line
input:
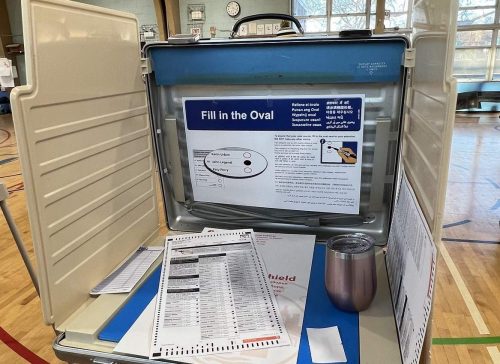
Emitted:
<point x="85" y="147"/>
<point x="430" y="106"/>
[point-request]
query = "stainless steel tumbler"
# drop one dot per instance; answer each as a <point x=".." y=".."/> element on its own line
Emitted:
<point x="350" y="272"/>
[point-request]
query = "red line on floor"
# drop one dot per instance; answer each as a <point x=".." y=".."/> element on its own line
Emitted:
<point x="20" y="349"/>
<point x="8" y="135"/>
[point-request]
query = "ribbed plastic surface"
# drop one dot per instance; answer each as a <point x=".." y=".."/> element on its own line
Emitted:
<point x="430" y="107"/>
<point x="85" y="147"/>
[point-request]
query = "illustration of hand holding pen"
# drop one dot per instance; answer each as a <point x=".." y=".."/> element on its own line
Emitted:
<point x="347" y="155"/>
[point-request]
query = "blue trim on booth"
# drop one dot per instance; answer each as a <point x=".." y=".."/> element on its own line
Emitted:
<point x="311" y="62"/>
<point x="321" y="313"/>
<point x="125" y="318"/>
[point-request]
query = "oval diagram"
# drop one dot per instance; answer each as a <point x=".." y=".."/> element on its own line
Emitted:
<point x="235" y="162"/>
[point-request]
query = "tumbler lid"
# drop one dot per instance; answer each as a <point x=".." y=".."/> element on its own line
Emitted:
<point x="356" y="243"/>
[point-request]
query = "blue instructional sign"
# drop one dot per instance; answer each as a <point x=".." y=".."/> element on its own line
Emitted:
<point x="275" y="114"/>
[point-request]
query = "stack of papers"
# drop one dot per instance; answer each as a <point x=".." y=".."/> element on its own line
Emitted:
<point x="6" y="73"/>
<point x="411" y="266"/>
<point x="286" y="265"/>
<point x="214" y="297"/>
<point x="129" y="272"/>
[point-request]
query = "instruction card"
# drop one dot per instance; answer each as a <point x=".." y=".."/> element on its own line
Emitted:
<point x="214" y="297"/>
<point x="129" y="272"/>
<point x="411" y="265"/>
<point x="296" y="153"/>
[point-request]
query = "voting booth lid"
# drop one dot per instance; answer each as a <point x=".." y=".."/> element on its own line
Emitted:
<point x="85" y="147"/>
<point x="430" y="107"/>
<point x="87" y="151"/>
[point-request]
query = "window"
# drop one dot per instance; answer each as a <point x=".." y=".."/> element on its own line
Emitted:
<point x="496" y="68"/>
<point x="473" y="12"/>
<point x="476" y="54"/>
<point x="320" y="16"/>
<point x="398" y="15"/>
<point x="348" y="15"/>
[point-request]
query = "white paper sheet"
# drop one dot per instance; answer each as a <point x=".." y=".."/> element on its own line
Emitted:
<point x="126" y="276"/>
<point x="411" y="262"/>
<point x="252" y="28"/>
<point x="284" y="255"/>
<point x="325" y="345"/>
<point x="214" y="297"/>
<point x="5" y="67"/>
<point x="288" y="259"/>
<point x="289" y="152"/>
<point x="6" y="75"/>
<point x="137" y="340"/>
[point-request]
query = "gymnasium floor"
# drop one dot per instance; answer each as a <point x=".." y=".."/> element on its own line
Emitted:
<point x="466" y="325"/>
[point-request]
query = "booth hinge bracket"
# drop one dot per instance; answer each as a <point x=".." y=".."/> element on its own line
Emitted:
<point x="409" y="60"/>
<point x="146" y="66"/>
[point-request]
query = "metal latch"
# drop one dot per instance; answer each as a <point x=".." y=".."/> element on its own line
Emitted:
<point x="183" y="39"/>
<point x="103" y="361"/>
<point x="146" y="66"/>
<point x="409" y="58"/>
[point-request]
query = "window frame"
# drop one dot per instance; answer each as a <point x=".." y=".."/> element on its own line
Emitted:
<point x="367" y="13"/>
<point x="492" y="47"/>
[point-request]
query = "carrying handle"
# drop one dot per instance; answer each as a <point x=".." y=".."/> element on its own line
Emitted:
<point x="246" y="19"/>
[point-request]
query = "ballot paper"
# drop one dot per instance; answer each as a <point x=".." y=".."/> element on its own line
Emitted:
<point x="325" y="345"/>
<point x="126" y="276"/>
<point x="214" y="297"/>
<point x="288" y="259"/>
<point x="411" y="264"/>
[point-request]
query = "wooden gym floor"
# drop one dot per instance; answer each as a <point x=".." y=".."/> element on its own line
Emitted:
<point x="466" y="325"/>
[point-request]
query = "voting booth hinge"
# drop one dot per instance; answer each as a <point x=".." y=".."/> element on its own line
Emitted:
<point x="409" y="58"/>
<point x="146" y="66"/>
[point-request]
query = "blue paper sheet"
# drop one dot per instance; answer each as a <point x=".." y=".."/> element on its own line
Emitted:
<point x="320" y="312"/>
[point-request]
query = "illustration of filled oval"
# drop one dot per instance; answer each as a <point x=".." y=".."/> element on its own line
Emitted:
<point x="233" y="162"/>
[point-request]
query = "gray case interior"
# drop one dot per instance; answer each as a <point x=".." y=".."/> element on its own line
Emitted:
<point x="382" y="130"/>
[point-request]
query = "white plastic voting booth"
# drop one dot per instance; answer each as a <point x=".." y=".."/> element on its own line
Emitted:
<point x="96" y="121"/>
